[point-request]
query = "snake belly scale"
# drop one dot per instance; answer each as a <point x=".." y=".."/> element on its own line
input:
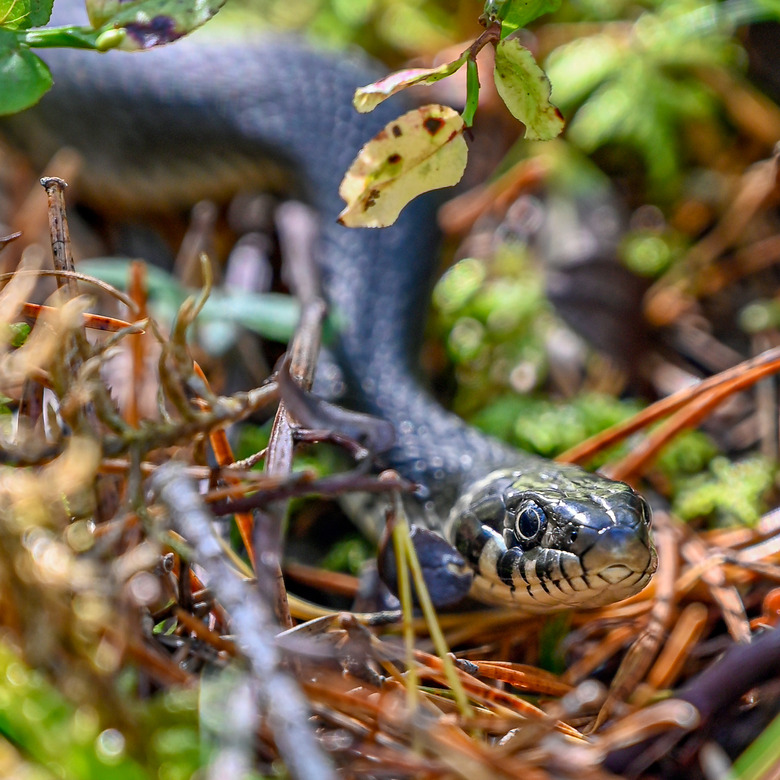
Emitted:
<point x="204" y="118"/>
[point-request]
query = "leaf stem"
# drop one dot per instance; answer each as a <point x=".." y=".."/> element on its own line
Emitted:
<point x="55" y="37"/>
<point x="491" y="35"/>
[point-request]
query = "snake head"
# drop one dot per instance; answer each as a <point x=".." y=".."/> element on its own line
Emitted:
<point x="553" y="537"/>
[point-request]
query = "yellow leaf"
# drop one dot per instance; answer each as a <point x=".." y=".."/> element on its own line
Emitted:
<point x="420" y="151"/>
<point x="525" y="89"/>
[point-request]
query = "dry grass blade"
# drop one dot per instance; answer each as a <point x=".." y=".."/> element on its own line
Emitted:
<point x="643" y="651"/>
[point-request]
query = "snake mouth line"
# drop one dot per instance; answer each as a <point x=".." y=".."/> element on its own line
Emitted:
<point x="616" y="573"/>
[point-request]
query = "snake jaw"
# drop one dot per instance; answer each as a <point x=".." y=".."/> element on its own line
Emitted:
<point x="595" y="548"/>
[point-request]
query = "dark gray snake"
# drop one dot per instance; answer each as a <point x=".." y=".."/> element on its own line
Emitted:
<point x="537" y="534"/>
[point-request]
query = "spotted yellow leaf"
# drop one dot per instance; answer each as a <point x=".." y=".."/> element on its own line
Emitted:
<point x="420" y="151"/>
<point x="525" y="89"/>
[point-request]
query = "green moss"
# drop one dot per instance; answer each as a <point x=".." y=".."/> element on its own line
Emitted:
<point x="727" y="493"/>
<point x="548" y="427"/>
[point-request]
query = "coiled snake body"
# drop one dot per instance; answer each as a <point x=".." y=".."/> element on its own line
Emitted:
<point x="537" y="534"/>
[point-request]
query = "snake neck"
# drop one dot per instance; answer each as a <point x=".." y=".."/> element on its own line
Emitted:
<point x="382" y="308"/>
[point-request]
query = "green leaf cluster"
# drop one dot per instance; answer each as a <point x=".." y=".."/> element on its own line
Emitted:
<point x="392" y="29"/>
<point x="348" y="555"/>
<point x="637" y="84"/>
<point x="139" y="24"/>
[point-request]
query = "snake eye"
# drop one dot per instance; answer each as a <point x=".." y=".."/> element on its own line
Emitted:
<point x="530" y="523"/>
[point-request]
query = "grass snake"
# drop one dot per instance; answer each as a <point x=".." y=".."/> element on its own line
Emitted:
<point x="238" y="113"/>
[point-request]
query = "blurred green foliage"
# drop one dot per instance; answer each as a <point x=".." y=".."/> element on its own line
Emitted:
<point x="549" y="427"/>
<point x="389" y="28"/>
<point x="348" y="555"/>
<point x="635" y="80"/>
<point x="496" y="321"/>
<point x="552" y="637"/>
<point x="649" y="253"/>
<point x="494" y="318"/>
<point x="635" y="83"/>
<point x="625" y="74"/>
<point x="58" y="739"/>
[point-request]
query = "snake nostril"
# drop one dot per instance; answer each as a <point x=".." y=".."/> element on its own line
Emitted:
<point x="646" y="512"/>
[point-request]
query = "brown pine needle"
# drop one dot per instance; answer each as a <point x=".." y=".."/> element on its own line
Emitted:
<point x="702" y="397"/>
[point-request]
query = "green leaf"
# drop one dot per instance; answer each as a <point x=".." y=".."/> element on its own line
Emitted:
<point x="761" y="756"/>
<point x="149" y="23"/>
<point x="525" y="89"/>
<point x="369" y="97"/>
<point x="23" y="14"/>
<point x="18" y="332"/>
<point x="420" y="151"/>
<point x="14" y="14"/>
<point x="24" y="77"/>
<point x="40" y="12"/>
<point x="272" y="315"/>
<point x="518" y="13"/>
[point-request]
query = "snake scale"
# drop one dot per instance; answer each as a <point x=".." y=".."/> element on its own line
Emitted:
<point x="537" y="534"/>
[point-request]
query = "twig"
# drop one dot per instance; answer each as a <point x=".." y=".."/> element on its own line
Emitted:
<point x="59" y="232"/>
<point x="299" y="245"/>
<point x="253" y="625"/>
<point x="300" y="484"/>
<point x="719" y="685"/>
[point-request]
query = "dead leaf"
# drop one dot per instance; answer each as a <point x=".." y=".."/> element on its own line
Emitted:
<point x="369" y="97"/>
